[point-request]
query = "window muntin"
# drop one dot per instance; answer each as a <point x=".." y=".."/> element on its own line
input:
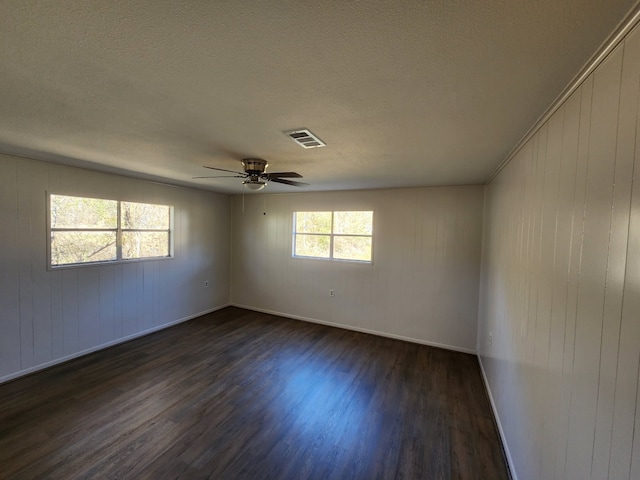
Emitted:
<point x="333" y="235"/>
<point x="93" y="230"/>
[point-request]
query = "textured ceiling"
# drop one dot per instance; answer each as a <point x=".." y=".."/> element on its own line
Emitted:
<point x="404" y="93"/>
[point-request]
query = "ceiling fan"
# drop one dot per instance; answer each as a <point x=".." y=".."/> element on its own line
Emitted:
<point x="255" y="176"/>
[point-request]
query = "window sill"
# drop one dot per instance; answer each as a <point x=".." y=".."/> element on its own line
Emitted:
<point x="109" y="262"/>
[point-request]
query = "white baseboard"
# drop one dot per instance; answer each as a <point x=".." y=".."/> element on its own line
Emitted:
<point x="81" y="353"/>
<point x="357" y="329"/>
<point x="503" y="438"/>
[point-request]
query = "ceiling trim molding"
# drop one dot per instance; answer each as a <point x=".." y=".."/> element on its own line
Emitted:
<point x="617" y="36"/>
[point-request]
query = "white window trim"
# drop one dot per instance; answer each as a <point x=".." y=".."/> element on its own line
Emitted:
<point x="331" y="237"/>
<point x="118" y="231"/>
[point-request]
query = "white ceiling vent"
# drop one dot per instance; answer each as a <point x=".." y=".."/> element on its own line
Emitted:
<point x="305" y="138"/>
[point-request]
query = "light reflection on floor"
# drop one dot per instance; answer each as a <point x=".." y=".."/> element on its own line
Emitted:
<point x="325" y="405"/>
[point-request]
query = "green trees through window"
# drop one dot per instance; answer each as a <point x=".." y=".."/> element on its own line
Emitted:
<point x="333" y="235"/>
<point x="88" y="230"/>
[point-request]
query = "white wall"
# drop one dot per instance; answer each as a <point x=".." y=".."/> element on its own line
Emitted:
<point x="47" y="316"/>
<point x="560" y="287"/>
<point x="422" y="286"/>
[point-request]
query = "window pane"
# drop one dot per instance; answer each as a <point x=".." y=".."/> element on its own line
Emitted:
<point x="352" y="248"/>
<point x="353" y="223"/>
<point x="313" y="222"/>
<point x="313" y="246"/>
<point x="82" y="247"/>
<point x="145" y="244"/>
<point x="144" y="216"/>
<point x="86" y="213"/>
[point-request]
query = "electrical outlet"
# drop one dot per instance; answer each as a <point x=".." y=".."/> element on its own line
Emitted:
<point x="490" y="338"/>
<point x="332" y="292"/>
<point x="206" y="283"/>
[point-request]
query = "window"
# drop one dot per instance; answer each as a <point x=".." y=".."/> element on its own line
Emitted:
<point x="333" y="235"/>
<point x="89" y="230"/>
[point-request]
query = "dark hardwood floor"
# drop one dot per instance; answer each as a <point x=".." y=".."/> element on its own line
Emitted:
<point x="244" y="395"/>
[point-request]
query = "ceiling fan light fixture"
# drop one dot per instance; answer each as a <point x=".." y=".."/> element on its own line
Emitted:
<point x="254" y="185"/>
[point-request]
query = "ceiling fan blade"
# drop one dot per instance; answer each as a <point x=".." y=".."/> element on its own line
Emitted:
<point x="288" y="182"/>
<point x="224" y="170"/>
<point x="283" y="175"/>
<point x="223" y="176"/>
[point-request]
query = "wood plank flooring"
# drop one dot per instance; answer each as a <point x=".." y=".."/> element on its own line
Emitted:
<point x="243" y="395"/>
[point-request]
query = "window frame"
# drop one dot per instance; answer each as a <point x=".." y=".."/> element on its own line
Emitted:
<point x="331" y="236"/>
<point x="118" y="234"/>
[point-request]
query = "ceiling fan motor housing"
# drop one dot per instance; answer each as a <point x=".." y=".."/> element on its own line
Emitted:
<point x="254" y="166"/>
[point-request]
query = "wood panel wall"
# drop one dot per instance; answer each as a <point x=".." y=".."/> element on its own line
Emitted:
<point x="560" y="289"/>
<point x="48" y="316"/>
<point x="423" y="284"/>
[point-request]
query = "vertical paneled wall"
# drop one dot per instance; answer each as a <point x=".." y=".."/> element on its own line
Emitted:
<point x="46" y="316"/>
<point x="560" y="288"/>
<point x="422" y="286"/>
